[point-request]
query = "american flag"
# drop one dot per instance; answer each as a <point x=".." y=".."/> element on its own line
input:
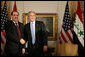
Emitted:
<point x="66" y="35"/>
<point x="3" y="21"/>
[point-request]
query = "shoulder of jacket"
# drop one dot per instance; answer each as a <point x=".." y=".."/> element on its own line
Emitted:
<point x="20" y="23"/>
<point x="26" y="25"/>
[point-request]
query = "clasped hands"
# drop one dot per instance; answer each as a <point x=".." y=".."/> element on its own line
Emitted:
<point x="22" y="41"/>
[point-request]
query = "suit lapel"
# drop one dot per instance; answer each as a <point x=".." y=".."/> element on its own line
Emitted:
<point x="36" y="29"/>
<point x="29" y="33"/>
<point x="14" y="27"/>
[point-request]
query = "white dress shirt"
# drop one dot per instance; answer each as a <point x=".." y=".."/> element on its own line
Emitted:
<point x="15" y="23"/>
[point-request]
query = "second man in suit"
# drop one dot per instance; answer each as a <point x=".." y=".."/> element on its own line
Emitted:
<point x="36" y="35"/>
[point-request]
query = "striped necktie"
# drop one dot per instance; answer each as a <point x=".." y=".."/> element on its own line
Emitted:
<point x="19" y="33"/>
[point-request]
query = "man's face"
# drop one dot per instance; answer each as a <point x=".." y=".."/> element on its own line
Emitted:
<point x="15" y="16"/>
<point x="32" y="17"/>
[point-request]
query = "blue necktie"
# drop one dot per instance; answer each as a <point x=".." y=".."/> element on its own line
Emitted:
<point x="33" y="33"/>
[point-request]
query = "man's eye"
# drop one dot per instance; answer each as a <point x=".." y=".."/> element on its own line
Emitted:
<point x="15" y="15"/>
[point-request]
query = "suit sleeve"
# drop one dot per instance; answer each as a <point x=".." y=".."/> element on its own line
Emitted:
<point x="25" y="34"/>
<point x="10" y="35"/>
<point x="44" y="34"/>
<point x="22" y="31"/>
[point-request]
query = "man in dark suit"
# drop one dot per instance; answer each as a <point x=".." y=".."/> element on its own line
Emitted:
<point x="14" y="32"/>
<point x="36" y="35"/>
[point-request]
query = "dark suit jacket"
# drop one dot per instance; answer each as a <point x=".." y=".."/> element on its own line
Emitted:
<point x="41" y="36"/>
<point x="13" y="46"/>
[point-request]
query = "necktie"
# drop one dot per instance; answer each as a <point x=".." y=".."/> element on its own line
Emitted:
<point x="33" y="33"/>
<point x="19" y="33"/>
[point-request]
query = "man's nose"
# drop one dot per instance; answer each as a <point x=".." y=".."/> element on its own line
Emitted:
<point x="16" y="17"/>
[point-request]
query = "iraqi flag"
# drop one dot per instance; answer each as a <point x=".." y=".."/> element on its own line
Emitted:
<point x="15" y="7"/>
<point x="78" y="33"/>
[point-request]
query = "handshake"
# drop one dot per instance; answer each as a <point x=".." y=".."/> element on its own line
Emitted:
<point x="22" y="41"/>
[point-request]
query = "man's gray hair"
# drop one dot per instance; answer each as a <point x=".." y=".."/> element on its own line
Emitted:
<point x="31" y="12"/>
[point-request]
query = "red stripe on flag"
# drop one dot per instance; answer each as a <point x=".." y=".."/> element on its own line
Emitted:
<point x="4" y="34"/>
<point x="2" y="40"/>
<point x="63" y="37"/>
<point x="71" y="30"/>
<point x="79" y="12"/>
<point x="15" y="7"/>
<point x="69" y="37"/>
